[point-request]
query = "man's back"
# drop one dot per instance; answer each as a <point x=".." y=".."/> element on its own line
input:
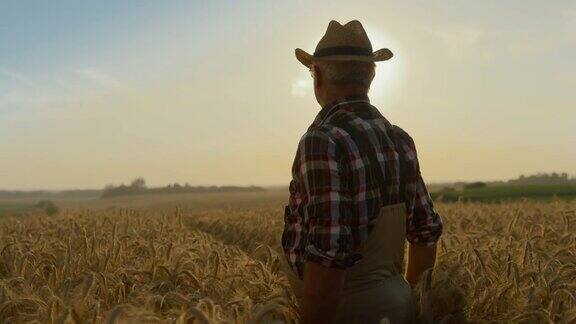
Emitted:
<point x="347" y="167"/>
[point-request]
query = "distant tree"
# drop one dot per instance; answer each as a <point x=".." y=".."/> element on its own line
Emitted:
<point x="48" y="206"/>
<point x="138" y="183"/>
<point x="475" y="185"/>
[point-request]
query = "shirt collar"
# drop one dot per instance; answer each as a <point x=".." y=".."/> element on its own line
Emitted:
<point x="330" y="108"/>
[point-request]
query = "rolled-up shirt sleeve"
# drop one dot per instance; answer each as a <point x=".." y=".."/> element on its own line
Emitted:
<point x="425" y="227"/>
<point x="326" y="204"/>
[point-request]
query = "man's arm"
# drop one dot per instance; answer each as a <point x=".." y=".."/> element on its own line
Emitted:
<point x="321" y="294"/>
<point x="329" y="241"/>
<point x="424" y="228"/>
<point x="420" y="259"/>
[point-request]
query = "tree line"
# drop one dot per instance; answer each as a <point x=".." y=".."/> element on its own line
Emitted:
<point x="544" y="178"/>
<point x="138" y="187"/>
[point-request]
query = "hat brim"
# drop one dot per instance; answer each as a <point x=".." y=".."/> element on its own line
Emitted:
<point x="383" y="54"/>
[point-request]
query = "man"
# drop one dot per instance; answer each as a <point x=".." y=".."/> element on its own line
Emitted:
<point x="356" y="196"/>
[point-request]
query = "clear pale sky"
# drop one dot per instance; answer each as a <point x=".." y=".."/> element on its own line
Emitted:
<point x="209" y="92"/>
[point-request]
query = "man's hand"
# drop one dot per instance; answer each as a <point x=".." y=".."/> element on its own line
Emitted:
<point x="321" y="294"/>
<point x="420" y="259"/>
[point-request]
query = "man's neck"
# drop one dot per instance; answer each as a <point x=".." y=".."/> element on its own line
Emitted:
<point x="337" y="93"/>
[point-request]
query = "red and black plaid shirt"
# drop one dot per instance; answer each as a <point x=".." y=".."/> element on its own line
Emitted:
<point x="337" y="189"/>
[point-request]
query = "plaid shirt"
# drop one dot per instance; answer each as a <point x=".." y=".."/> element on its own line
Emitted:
<point x="336" y="191"/>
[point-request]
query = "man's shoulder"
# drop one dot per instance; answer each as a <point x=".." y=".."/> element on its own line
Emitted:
<point x="403" y="135"/>
<point x="316" y="135"/>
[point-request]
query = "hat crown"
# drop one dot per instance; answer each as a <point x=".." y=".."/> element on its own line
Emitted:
<point x="352" y="34"/>
<point x="347" y="42"/>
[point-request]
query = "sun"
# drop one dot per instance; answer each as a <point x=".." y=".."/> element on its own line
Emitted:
<point x="386" y="86"/>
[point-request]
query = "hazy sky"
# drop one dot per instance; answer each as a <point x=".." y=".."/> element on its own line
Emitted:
<point x="209" y="92"/>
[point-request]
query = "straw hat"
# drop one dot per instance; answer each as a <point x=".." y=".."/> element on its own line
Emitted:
<point x="344" y="43"/>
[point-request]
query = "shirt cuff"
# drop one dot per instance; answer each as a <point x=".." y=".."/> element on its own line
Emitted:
<point x="427" y="239"/>
<point x="313" y="254"/>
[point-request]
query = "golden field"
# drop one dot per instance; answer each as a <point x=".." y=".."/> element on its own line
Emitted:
<point x="212" y="258"/>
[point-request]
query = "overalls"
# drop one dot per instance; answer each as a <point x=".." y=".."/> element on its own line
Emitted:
<point x="374" y="287"/>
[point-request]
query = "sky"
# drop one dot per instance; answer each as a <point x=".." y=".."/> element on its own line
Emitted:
<point x="210" y="93"/>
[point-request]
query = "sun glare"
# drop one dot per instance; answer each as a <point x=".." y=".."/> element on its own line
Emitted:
<point x="386" y="87"/>
<point x="389" y="74"/>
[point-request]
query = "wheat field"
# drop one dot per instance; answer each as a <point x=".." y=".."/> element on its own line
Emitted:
<point x="213" y="259"/>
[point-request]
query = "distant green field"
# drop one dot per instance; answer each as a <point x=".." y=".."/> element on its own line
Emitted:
<point x="508" y="192"/>
<point x="9" y="208"/>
